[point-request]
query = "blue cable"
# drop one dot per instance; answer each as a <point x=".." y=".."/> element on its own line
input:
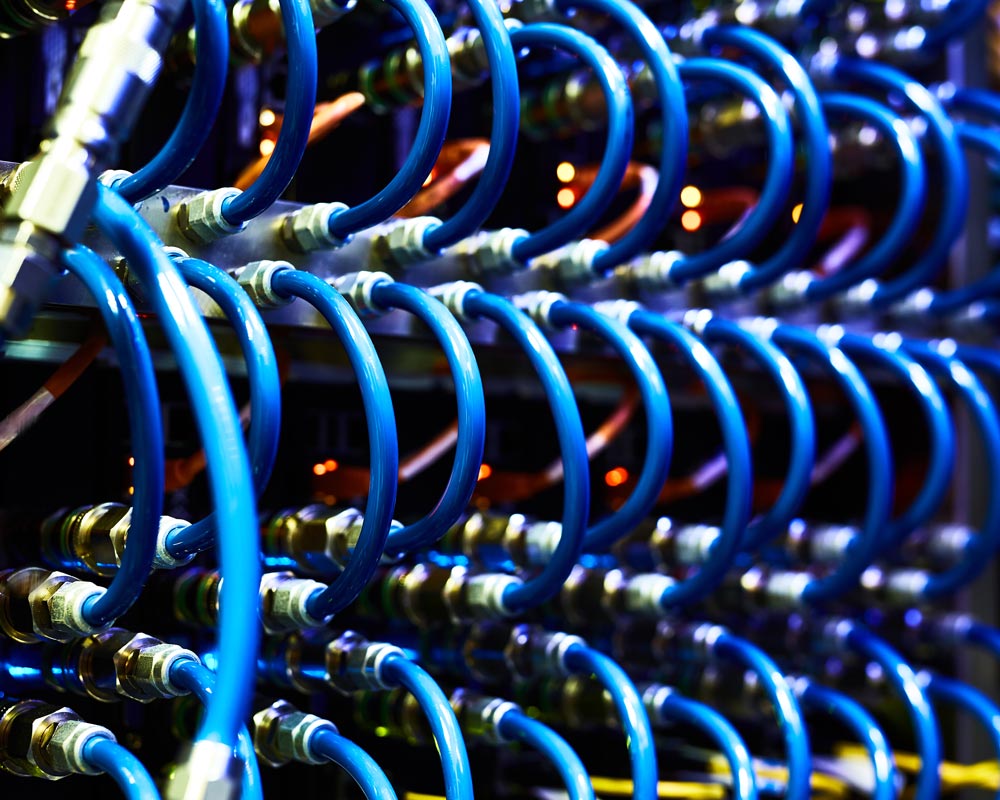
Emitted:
<point x="969" y="699"/>
<point x="904" y="682"/>
<point x="852" y="715"/>
<point x="194" y="677"/>
<point x="978" y="101"/>
<point x="382" y="441"/>
<point x="736" y="445"/>
<point x="780" y="162"/>
<point x="863" y="550"/>
<point x="572" y="447"/>
<point x="802" y="426"/>
<point x="618" y="144"/>
<point x="675" y="707"/>
<point x="362" y="768"/>
<point x="816" y="146"/>
<point x="145" y="430"/>
<point x="300" y="102"/>
<point x="519" y="727"/>
<point x="954" y="178"/>
<point x="121" y="766"/>
<point x="984" y="545"/>
<point x="786" y="708"/>
<point x="471" y="413"/>
<point x="941" y="431"/>
<point x="657" y="58"/>
<point x="656" y="406"/>
<point x="503" y="132"/>
<point x="912" y="193"/>
<point x="400" y="671"/>
<point x="632" y="715"/>
<point x="211" y="44"/>
<point x="431" y="130"/>
<point x="265" y="389"/>
<point x="229" y="474"/>
<point x="955" y="23"/>
<point x="985" y="637"/>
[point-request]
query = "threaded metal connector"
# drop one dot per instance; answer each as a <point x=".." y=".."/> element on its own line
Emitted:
<point x="491" y="252"/>
<point x="57" y="606"/>
<point x="257" y="278"/>
<point x="453" y="296"/>
<point x="282" y="733"/>
<point x="480" y="715"/>
<point x="200" y="218"/>
<point x="619" y="310"/>
<point x="284" y="601"/>
<point x="572" y="264"/>
<point x="356" y="288"/>
<point x="211" y="771"/>
<point x="400" y="243"/>
<point x="142" y="668"/>
<point x="651" y="272"/>
<point x="354" y="664"/>
<point x="308" y="228"/>
<point x="538" y="305"/>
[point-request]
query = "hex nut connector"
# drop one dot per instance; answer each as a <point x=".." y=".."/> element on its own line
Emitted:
<point x="27" y="731"/>
<point x="282" y="733"/>
<point x="480" y="715"/>
<point x="354" y="664"/>
<point x="573" y="264"/>
<point x="65" y="748"/>
<point x="308" y="228"/>
<point x="491" y="252"/>
<point x="142" y="668"/>
<point x="57" y="607"/>
<point x="453" y="295"/>
<point x="200" y="218"/>
<point x="283" y="603"/>
<point x="402" y="244"/>
<point x="356" y="288"/>
<point x="257" y="280"/>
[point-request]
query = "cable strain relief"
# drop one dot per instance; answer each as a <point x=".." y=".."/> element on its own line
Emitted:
<point x="112" y="177"/>
<point x="652" y="272"/>
<point x="66" y="747"/>
<point x="163" y="558"/>
<point x="572" y="264"/>
<point x="490" y="253"/>
<point x="486" y="596"/>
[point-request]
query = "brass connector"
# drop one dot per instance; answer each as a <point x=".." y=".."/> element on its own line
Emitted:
<point x="58" y="604"/>
<point x="354" y="664"/>
<point x="196" y="597"/>
<point x="90" y="537"/>
<point x="16" y="585"/>
<point x="318" y="539"/>
<point x="480" y="715"/>
<point x="282" y="733"/>
<point x="43" y="741"/>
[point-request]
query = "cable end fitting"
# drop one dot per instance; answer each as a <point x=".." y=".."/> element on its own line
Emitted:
<point x="353" y="664"/>
<point x="357" y="287"/>
<point x="485" y="595"/>
<point x="308" y="228"/>
<point x="480" y="716"/>
<point x="914" y="307"/>
<point x="282" y="733"/>
<point x="652" y="272"/>
<point x="857" y="301"/>
<point x="453" y="296"/>
<point x="28" y="266"/>
<point x="163" y="558"/>
<point x="200" y="218"/>
<point x="43" y="741"/>
<point x="653" y="697"/>
<point x="538" y="306"/>
<point x="533" y="652"/>
<point x="211" y="771"/>
<point x="727" y="283"/>
<point x="57" y="608"/>
<point x="572" y="264"/>
<point x="112" y="177"/>
<point x="284" y="601"/>
<point x="491" y="252"/>
<point x="644" y="593"/>
<point x="142" y="668"/>
<point x="257" y="278"/>
<point x="619" y="310"/>
<point x="791" y="292"/>
<point x="400" y="243"/>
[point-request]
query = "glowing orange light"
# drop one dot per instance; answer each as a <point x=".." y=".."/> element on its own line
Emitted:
<point x="566" y="198"/>
<point x="430" y="177"/>
<point x="319" y="469"/>
<point x="131" y="490"/>
<point x="691" y="196"/>
<point x="616" y="476"/>
<point x="266" y="147"/>
<point x="485" y="470"/>
<point x="330" y="465"/>
<point x="796" y="212"/>
<point x="565" y="172"/>
<point x="267" y="118"/>
<point x="131" y="461"/>
<point x="690" y="220"/>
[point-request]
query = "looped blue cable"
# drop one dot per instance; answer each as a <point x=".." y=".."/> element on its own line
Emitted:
<point x="912" y="193"/>
<point x="983" y="636"/>
<point x="673" y="706"/>
<point x="726" y="645"/>
<point x="656" y="406"/>
<point x="471" y="413"/>
<point x="802" y="426"/>
<point x="657" y="58"/>
<point x="955" y="23"/>
<point x="230" y="480"/>
<point x="121" y="766"/>
<point x="736" y="446"/>
<point x="780" y="162"/>
<point x="859" y="553"/>
<point x="983" y="546"/>
<point x="941" y="432"/>
<point x="145" y="430"/>
<point x="977" y="101"/>
<point x="618" y="144"/>
<point x="431" y="129"/>
<point x="809" y="116"/>
<point x="211" y="46"/>
<point x="853" y="716"/>
<point x="632" y="715"/>
<point x="903" y="680"/>
<point x="504" y="130"/>
<point x="362" y="768"/>
<point x="517" y="726"/>
<point x="382" y="440"/>
<point x="954" y="185"/>
<point x="265" y="389"/>
<point x="572" y="446"/>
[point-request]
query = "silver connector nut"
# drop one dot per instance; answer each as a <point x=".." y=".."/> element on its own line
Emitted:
<point x="142" y="668"/>
<point x="484" y="595"/>
<point x="282" y="733"/>
<point x="644" y="593"/>
<point x="210" y="772"/>
<point x="540" y="541"/>
<point x="65" y="748"/>
<point x="257" y="280"/>
<point x="308" y="228"/>
<point x="538" y="306"/>
<point x="283" y="603"/>
<point x="572" y="264"/>
<point x="401" y="244"/>
<point x="618" y="310"/>
<point x="790" y="292"/>
<point x="491" y="252"/>
<point x="453" y="296"/>
<point x="57" y="605"/>
<point x="651" y="272"/>
<point x="356" y="288"/>
<point x="725" y="284"/>
<point x="163" y="558"/>
<point x="201" y="220"/>
<point x="112" y="177"/>
<point x="785" y="589"/>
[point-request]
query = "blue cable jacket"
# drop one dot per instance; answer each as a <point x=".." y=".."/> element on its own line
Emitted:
<point x="300" y="102"/>
<point x="618" y="144"/>
<point x="955" y="23"/>
<point x="362" y="768"/>
<point x="985" y="637"/>
<point x="517" y="726"/>
<point x="786" y="707"/>
<point x="677" y="708"/>
<point x="122" y="767"/>
<point x="736" y="445"/>
<point x="954" y="178"/>
<point x="572" y="446"/>
<point x="912" y="193"/>
<point x="265" y="389"/>
<point x="471" y="413"/>
<point x="809" y="116"/>
<point x="656" y="406"/>
<point x="400" y="671"/>
<point x="860" y="553"/>
<point x="632" y="715"/>
<point x="854" y="717"/>
<point x="904" y="682"/>
<point x="984" y="545"/>
<point x="657" y="58"/>
<point x="382" y="441"/>
<point x="941" y="432"/>
<point x="229" y="475"/>
<point x="978" y="101"/>
<point x="145" y="430"/>
<point x="195" y="677"/>
<point x="504" y="131"/>
<point x="969" y="699"/>
<point x="211" y="28"/>
<point x="431" y="129"/>
<point x="780" y="162"/>
<point x="802" y="426"/>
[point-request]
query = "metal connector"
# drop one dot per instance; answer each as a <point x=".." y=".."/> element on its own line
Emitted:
<point x="257" y="280"/>
<point x="200" y="218"/>
<point x="211" y="771"/>
<point x="354" y="664"/>
<point x="142" y="668"/>
<point x="453" y="296"/>
<point x="651" y="272"/>
<point x="533" y="652"/>
<point x="572" y="264"/>
<point x="400" y="243"/>
<point x="282" y="733"/>
<point x="356" y="288"/>
<point x="317" y="538"/>
<point x="308" y="228"/>
<point x="490" y="253"/>
<point x="538" y="305"/>
<point x="57" y="605"/>
<point x="479" y="715"/>
<point x="44" y="741"/>
<point x="644" y="593"/>
<point x="284" y="601"/>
